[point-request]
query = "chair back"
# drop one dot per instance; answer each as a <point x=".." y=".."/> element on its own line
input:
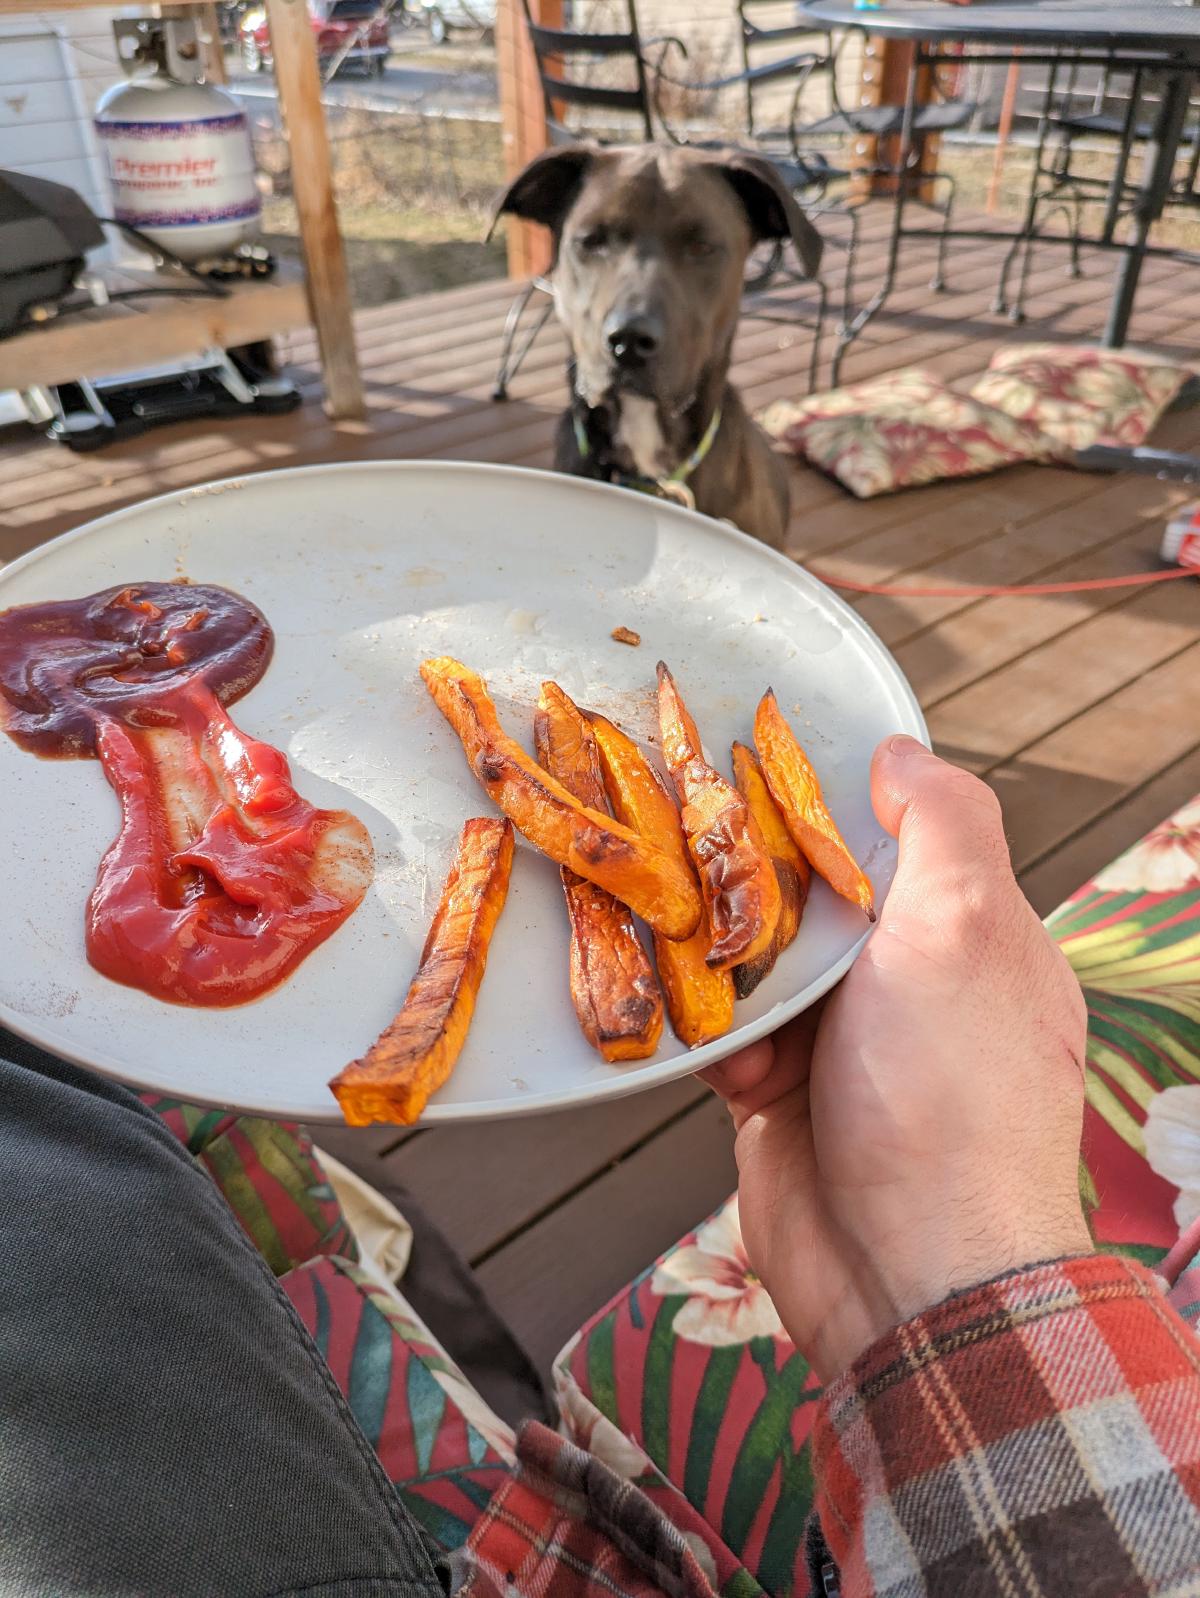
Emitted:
<point x="761" y="26"/>
<point x="558" y="50"/>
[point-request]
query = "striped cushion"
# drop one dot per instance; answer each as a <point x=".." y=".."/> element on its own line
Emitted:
<point x="436" y="1438"/>
<point x="270" y="1177"/>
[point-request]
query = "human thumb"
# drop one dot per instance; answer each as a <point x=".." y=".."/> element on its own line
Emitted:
<point x="947" y="821"/>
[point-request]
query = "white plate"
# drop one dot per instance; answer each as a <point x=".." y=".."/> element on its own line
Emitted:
<point x="363" y="571"/>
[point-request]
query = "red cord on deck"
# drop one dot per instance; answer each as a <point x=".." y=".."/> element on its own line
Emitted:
<point x="989" y="591"/>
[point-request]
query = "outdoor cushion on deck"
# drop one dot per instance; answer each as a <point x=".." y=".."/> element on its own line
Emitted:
<point x="1081" y="396"/>
<point x="900" y="431"/>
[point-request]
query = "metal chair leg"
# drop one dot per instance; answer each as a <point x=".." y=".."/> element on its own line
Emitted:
<point x="848" y="275"/>
<point x="938" y="282"/>
<point x="1000" y="303"/>
<point x="1016" y="311"/>
<point x="1016" y="307"/>
<point x="1076" y="237"/>
<point x="835" y="361"/>
<point x="818" y="333"/>
<point x="511" y="364"/>
<point x="1000" y="300"/>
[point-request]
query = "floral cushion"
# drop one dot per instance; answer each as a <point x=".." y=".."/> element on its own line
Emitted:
<point x="1133" y="938"/>
<point x="900" y="431"/>
<point x="437" y="1440"/>
<point x="270" y="1177"/>
<point x="689" y="1369"/>
<point x="1081" y="396"/>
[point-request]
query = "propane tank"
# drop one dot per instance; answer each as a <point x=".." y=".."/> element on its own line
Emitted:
<point x="181" y="164"/>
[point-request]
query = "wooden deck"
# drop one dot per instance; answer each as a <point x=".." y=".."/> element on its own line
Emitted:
<point x="1082" y="710"/>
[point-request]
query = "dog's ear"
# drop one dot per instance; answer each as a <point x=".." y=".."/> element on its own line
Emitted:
<point x="545" y="191"/>
<point x="770" y="205"/>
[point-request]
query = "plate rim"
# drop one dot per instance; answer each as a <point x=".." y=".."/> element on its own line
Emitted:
<point x="622" y="1083"/>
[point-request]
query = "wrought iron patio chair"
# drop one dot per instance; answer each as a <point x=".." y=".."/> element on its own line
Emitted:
<point x="1083" y="112"/>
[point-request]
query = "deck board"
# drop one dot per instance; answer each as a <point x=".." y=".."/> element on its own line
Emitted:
<point x="573" y="1259"/>
<point x="1082" y="710"/>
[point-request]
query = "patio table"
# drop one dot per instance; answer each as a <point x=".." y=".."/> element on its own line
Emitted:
<point x="1161" y="38"/>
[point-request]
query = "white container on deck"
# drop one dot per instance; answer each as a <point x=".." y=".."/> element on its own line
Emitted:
<point x="1181" y="537"/>
<point x="181" y="164"/>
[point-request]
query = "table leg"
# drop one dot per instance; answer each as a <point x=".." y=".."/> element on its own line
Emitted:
<point x="1160" y="164"/>
<point x="312" y="183"/>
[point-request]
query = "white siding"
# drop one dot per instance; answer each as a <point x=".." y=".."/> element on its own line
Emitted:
<point x="53" y="69"/>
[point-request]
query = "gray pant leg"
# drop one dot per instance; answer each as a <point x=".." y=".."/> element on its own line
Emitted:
<point x="167" y="1426"/>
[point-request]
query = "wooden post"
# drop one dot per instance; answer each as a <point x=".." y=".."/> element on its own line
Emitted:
<point x="883" y="80"/>
<point x="213" y="54"/>
<point x="299" y="87"/>
<point x="1004" y="131"/>
<point x="522" y="119"/>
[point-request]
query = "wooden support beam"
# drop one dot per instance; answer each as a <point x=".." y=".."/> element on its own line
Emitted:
<point x="214" y="56"/>
<point x="116" y="338"/>
<point x="523" y="119"/>
<point x="299" y="86"/>
<point x="883" y="80"/>
<point x="1008" y="108"/>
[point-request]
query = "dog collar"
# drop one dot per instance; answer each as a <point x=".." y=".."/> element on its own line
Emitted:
<point x="674" y="485"/>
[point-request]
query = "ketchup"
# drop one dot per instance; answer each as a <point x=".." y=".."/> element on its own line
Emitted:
<point x="221" y="878"/>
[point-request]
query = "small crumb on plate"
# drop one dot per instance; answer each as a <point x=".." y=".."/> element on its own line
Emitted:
<point x="626" y="635"/>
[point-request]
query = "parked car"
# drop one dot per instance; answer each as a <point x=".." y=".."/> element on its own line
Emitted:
<point x="444" y="16"/>
<point x="345" y="30"/>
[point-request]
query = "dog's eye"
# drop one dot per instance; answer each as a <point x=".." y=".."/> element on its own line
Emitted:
<point x="699" y="246"/>
<point x="594" y="240"/>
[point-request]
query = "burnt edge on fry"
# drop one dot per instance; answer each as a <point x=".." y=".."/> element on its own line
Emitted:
<point x="699" y="1000"/>
<point x="416" y="1053"/>
<point x="794" y="892"/>
<point x="614" y="991"/>
<point x="738" y="884"/>
<point x="792" y="869"/>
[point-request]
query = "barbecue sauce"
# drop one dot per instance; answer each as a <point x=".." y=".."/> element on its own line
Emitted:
<point x="221" y="878"/>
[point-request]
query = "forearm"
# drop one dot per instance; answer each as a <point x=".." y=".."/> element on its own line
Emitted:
<point x="1038" y="1434"/>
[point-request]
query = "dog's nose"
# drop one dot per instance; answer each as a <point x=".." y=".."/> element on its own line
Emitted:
<point x="633" y="340"/>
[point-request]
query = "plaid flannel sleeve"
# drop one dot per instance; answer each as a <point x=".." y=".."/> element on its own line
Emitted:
<point x="1038" y="1435"/>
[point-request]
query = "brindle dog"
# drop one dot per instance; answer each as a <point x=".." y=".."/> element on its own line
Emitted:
<point x="651" y="246"/>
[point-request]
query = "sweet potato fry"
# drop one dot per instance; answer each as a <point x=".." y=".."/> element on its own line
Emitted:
<point x="791" y="868"/>
<point x="565" y="746"/>
<point x="613" y="986"/>
<point x="699" y="999"/>
<point x="651" y="882"/>
<point x="737" y="880"/>
<point x="637" y="793"/>
<point x="797" y="792"/>
<point x="416" y="1054"/>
